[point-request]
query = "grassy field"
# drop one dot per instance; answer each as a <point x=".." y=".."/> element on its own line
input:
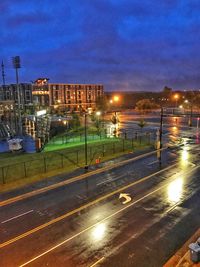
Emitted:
<point x="18" y="169"/>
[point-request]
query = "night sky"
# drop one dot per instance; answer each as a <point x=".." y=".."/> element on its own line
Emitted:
<point x="127" y="45"/>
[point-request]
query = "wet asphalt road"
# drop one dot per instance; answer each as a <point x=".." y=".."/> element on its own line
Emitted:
<point x="102" y="231"/>
<point x="162" y="213"/>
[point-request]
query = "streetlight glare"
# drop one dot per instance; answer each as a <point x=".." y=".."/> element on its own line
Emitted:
<point x="176" y="96"/>
<point x="116" y="98"/>
<point x="98" y="113"/>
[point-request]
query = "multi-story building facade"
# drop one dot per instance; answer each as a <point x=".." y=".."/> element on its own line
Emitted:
<point x="9" y="93"/>
<point x="66" y="96"/>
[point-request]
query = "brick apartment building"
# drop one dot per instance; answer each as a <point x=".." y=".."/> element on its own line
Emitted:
<point x="66" y="96"/>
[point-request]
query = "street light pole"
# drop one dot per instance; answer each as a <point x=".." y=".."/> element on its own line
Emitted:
<point x="190" y="121"/>
<point x="176" y="98"/>
<point x="17" y="65"/>
<point x="197" y="123"/>
<point x="85" y="131"/>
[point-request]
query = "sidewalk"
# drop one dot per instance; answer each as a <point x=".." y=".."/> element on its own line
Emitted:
<point x="182" y="257"/>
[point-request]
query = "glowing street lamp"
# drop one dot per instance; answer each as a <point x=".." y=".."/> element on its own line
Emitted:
<point x="116" y="98"/>
<point x="176" y="97"/>
<point x="98" y="113"/>
<point x="190" y="105"/>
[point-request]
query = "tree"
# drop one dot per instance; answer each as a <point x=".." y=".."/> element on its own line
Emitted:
<point x="97" y="122"/>
<point x="145" y="105"/>
<point x="141" y="124"/>
<point x="114" y="119"/>
<point x="75" y="122"/>
<point x="102" y="104"/>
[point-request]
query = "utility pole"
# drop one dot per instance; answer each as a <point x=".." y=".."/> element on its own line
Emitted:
<point x="191" y="113"/>
<point x="17" y="65"/>
<point x="159" y="144"/>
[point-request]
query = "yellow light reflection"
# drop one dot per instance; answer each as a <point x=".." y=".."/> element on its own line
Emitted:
<point x="99" y="232"/>
<point x="184" y="159"/>
<point x="184" y="155"/>
<point x="175" y="190"/>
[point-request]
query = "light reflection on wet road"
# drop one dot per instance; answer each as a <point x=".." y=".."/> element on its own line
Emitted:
<point x="163" y="213"/>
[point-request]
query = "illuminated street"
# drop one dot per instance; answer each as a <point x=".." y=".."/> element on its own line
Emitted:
<point x="86" y="224"/>
<point x="100" y="133"/>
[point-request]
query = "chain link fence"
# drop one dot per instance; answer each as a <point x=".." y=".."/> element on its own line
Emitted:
<point x="42" y="163"/>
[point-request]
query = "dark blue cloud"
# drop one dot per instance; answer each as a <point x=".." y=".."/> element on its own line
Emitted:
<point x="124" y="44"/>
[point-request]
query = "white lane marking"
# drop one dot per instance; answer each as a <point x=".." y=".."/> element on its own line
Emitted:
<point x="64" y="216"/>
<point x="100" y="260"/>
<point x="90" y="227"/>
<point x="103" y="220"/>
<point x="104" y="182"/>
<point x="156" y="161"/>
<point x="108" y="181"/>
<point x="15" y="217"/>
<point x="111" y="180"/>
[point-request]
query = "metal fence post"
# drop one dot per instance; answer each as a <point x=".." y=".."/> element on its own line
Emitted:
<point x="77" y="159"/>
<point x="103" y="150"/>
<point x="149" y="138"/>
<point x="125" y="135"/>
<point x="90" y="153"/>
<point x="62" y="161"/>
<point x="25" y="174"/>
<point x="3" y="176"/>
<point x="123" y="145"/>
<point x="113" y="148"/>
<point x="45" y="166"/>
